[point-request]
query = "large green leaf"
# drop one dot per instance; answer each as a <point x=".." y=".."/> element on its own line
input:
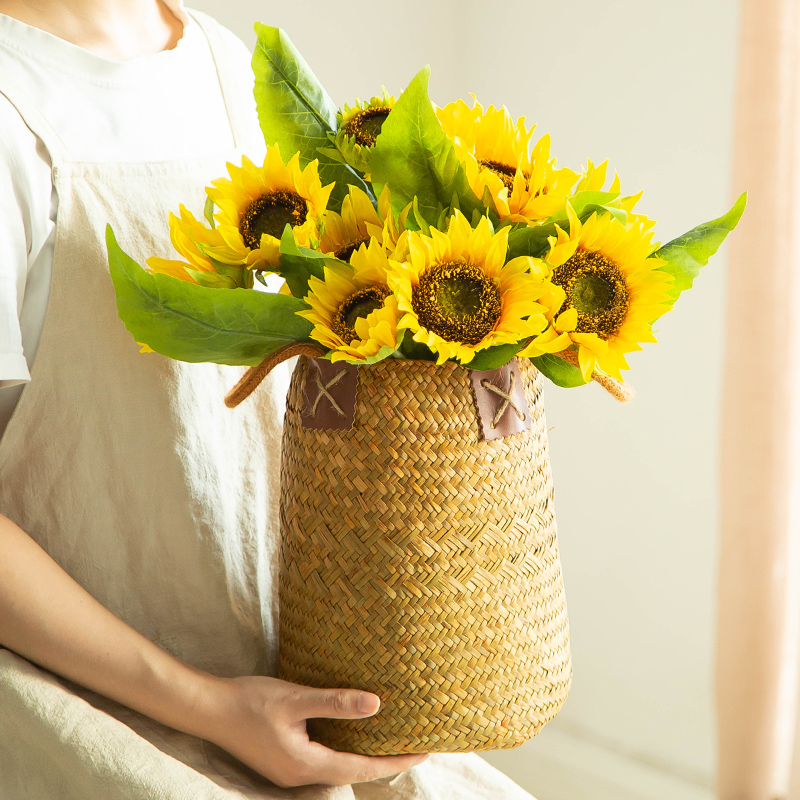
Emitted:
<point x="532" y="241"/>
<point x="416" y="159"/>
<point x="295" y="111"/>
<point x="559" y="371"/>
<point x="194" y="323"/>
<point x="687" y="254"/>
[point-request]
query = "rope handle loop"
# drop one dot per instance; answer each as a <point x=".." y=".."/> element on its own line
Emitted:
<point x="252" y="378"/>
<point x="617" y="389"/>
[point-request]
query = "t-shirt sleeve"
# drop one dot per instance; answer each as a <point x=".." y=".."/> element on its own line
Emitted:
<point x="15" y="242"/>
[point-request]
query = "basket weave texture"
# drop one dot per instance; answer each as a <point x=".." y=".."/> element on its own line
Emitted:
<point x="420" y="562"/>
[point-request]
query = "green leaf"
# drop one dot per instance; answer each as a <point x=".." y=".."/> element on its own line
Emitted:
<point x="419" y="219"/>
<point x="416" y="159"/>
<point x="240" y="274"/>
<point x="494" y="357"/>
<point x="619" y="214"/>
<point x="525" y="241"/>
<point x="194" y="323"/>
<point x="584" y="204"/>
<point x="295" y="111"/>
<point x="212" y="279"/>
<point x="300" y="108"/>
<point x="208" y="212"/>
<point x="227" y="276"/>
<point x="298" y="264"/>
<point x="532" y="241"/>
<point x="559" y="371"/>
<point x="687" y="254"/>
<point x="416" y="351"/>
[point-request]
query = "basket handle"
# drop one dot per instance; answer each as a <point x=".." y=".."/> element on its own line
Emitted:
<point x="617" y="389"/>
<point x="253" y="377"/>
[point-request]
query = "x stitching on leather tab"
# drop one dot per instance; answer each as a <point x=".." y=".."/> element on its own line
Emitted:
<point x="507" y="399"/>
<point x="324" y="392"/>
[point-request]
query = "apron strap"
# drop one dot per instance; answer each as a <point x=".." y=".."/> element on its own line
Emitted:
<point x="36" y="122"/>
<point x="238" y="102"/>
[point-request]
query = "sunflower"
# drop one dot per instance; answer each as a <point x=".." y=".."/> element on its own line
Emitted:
<point x="257" y="203"/>
<point x="458" y="295"/>
<point x="359" y="127"/>
<point x="495" y="151"/>
<point x="188" y="236"/>
<point x="353" y="310"/>
<point x="606" y="293"/>
<point x="343" y="234"/>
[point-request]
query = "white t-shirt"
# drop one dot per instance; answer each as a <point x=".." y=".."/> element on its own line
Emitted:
<point x="153" y="108"/>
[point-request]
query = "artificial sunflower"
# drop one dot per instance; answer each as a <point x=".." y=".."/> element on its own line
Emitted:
<point x="256" y="204"/>
<point x="458" y="296"/>
<point x="353" y="310"/>
<point x="495" y="151"/>
<point x="189" y="237"/>
<point x="606" y="292"/>
<point x="343" y="234"/>
<point x="359" y="127"/>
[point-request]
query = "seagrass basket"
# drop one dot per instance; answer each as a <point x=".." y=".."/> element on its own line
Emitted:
<point x="419" y="557"/>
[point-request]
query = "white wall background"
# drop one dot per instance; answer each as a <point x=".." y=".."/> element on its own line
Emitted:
<point x="649" y="85"/>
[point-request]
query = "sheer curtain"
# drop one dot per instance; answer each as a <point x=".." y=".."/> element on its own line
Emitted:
<point x="759" y="583"/>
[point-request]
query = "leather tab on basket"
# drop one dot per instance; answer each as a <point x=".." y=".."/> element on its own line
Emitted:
<point x="330" y="395"/>
<point x="500" y="395"/>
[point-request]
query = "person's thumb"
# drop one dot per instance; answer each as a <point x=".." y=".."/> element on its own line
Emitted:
<point x="336" y="703"/>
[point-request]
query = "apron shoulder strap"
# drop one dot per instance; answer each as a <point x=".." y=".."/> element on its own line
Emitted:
<point x="239" y="101"/>
<point x="35" y="121"/>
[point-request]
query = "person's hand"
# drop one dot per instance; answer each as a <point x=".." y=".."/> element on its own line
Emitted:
<point x="48" y="618"/>
<point x="262" y="721"/>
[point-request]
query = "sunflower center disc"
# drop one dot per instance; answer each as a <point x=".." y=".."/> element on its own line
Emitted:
<point x="367" y="124"/>
<point x="459" y="297"/>
<point x="592" y="294"/>
<point x="457" y="302"/>
<point x="359" y="304"/>
<point x="596" y="289"/>
<point x="270" y="214"/>
<point x="344" y="253"/>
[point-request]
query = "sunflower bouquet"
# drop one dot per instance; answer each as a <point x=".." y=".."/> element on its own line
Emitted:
<point x="431" y="266"/>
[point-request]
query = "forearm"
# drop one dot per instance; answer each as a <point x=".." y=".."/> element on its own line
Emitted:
<point x="48" y="618"/>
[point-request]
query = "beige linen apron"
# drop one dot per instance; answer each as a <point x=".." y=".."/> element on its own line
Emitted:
<point x="132" y="474"/>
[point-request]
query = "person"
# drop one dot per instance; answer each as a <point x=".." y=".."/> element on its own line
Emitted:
<point x="139" y="528"/>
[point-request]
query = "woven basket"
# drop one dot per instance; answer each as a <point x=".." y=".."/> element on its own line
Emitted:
<point x="419" y="561"/>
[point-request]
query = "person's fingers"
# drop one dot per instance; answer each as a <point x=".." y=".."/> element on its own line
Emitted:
<point x="307" y="702"/>
<point x="340" y="769"/>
